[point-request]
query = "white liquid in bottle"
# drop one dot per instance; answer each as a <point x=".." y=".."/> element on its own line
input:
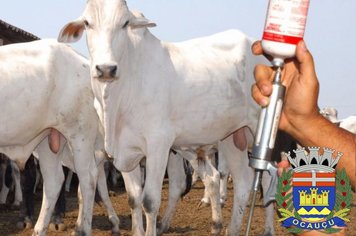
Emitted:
<point x="284" y="27"/>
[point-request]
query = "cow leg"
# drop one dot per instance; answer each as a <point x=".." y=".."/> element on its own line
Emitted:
<point x="68" y="180"/>
<point x="195" y="177"/>
<point x="205" y="201"/>
<point x="214" y="192"/>
<point x="201" y="155"/>
<point x="27" y="209"/>
<point x="156" y="164"/>
<point x="112" y="175"/>
<point x="115" y="176"/>
<point x="242" y="176"/>
<point x="143" y="171"/>
<point x="134" y="190"/>
<point x="80" y="213"/>
<point x="59" y="210"/>
<point x="2" y="170"/>
<point x="177" y="186"/>
<point x="4" y="190"/>
<point x="210" y="177"/>
<point x="269" y="211"/>
<point x="104" y="194"/>
<point x="87" y="172"/>
<point x="16" y="178"/>
<point x="38" y="177"/>
<point x="53" y="177"/>
<point x="210" y="159"/>
<point x="224" y="173"/>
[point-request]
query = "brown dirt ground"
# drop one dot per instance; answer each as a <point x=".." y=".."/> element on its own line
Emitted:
<point x="189" y="220"/>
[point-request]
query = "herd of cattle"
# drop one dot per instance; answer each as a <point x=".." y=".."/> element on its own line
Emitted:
<point x="139" y="101"/>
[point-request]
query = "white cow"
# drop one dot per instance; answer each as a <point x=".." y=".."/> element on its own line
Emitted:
<point x="330" y="113"/>
<point x="349" y="123"/>
<point x="45" y="88"/>
<point x="156" y="95"/>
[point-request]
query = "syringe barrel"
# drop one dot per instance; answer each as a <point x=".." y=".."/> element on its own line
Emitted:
<point x="268" y="126"/>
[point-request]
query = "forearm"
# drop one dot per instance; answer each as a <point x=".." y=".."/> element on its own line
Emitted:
<point x="322" y="133"/>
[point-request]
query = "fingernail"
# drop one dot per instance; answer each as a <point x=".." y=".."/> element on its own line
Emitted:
<point x="303" y="46"/>
<point x="264" y="102"/>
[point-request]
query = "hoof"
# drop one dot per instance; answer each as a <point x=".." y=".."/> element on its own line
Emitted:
<point x="78" y="233"/>
<point x="3" y="206"/>
<point x="115" y="234"/>
<point x="14" y="207"/>
<point x="202" y="204"/>
<point x="26" y="224"/>
<point x="52" y="226"/>
<point x="20" y="225"/>
<point x="160" y="231"/>
<point x="268" y="233"/>
<point x="62" y="227"/>
<point x="222" y="201"/>
<point x="112" y="194"/>
<point x="57" y="224"/>
<point x="57" y="227"/>
<point x="230" y="232"/>
<point x="216" y="228"/>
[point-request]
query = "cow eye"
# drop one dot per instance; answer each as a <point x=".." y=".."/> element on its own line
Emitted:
<point x="126" y="24"/>
<point x="86" y="23"/>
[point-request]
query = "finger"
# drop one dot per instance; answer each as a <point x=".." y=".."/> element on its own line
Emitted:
<point x="263" y="75"/>
<point x="306" y="61"/>
<point x="257" y="49"/>
<point x="282" y="166"/>
<point x="258" y="96"/>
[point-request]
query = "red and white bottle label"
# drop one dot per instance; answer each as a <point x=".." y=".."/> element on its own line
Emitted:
<point x="286" y="21"/>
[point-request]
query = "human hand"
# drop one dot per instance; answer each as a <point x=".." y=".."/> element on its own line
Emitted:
<point x="302" y="88"/>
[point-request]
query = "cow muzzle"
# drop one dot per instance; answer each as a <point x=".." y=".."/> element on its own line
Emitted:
<point x="106" y="71"/>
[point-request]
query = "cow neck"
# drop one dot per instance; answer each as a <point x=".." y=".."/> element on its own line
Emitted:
<point x="142" y="48"/>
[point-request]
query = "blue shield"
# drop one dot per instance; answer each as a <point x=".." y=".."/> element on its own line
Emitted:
<point x="313" y="195"/>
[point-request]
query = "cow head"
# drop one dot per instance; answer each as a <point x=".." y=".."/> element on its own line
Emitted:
<point x="107" y="24"/>
<point x="330" y="113"/>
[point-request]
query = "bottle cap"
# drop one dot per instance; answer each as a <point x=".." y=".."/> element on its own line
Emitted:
<point x="278" y="62"/>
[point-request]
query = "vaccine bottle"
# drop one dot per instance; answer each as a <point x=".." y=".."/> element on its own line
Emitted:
<point x="284" y="28"/>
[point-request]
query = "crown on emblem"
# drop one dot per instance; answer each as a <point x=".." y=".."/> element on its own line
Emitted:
<point x="305" y="161"/>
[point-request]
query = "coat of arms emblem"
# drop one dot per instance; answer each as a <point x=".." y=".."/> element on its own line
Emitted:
<point x="312" y="195"/>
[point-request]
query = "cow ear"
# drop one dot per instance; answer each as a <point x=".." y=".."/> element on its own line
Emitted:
<point x="140" y="22"/>
<point x="72" y="32"/>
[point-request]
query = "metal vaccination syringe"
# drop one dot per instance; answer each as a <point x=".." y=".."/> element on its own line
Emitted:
<point x="261" y="158"/>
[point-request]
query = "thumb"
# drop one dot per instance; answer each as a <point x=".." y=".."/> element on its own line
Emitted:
<point x="306" y="61"/>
